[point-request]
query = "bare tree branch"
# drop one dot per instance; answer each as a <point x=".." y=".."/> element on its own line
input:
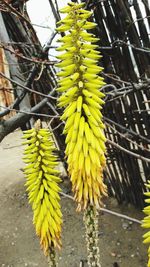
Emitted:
<point x="30" y="78"/>
<point x="27" y="88"/>
<point x="33" y="59"/>
<point x="54" y="10"/>
<point x="126" y="130"/>
<point x="32" y="113"/>
<point x="108" y="211"/>
<point x="121" y="42"/>
<point x="15" y="11"/>
<point x="125" y="136"/>
<point x="8" y="126"/>
<point x="128" y="151"/>
<point x="125" y="90"/>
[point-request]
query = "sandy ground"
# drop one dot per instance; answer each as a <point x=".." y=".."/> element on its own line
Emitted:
<point x="120" y="241"/>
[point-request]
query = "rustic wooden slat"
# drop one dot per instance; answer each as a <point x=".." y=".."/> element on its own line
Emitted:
<point x="147" y="9"/>
<point x="129" y="72"/>
<point x="102" y="33"/>
<point x="123" y="172"/>
<point x="142" y="26"/>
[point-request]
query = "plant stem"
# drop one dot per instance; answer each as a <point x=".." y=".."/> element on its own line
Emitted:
<point x="91" y="228"/>
<point x="52" y="257"/>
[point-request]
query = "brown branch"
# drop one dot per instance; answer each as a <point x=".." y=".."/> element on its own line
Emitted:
<point x="123" y="91"/>
<point x="126" y="130"/>
<point x="20" y="44"/>
<point x="30" y="78"/>
<point x="121" y="42"/>
<point x="128" y="151"/>
<point x="8" y="126"/>
<point x="14" y="11"/>
<point x="27" y="88"/>
<point x="126" y="137"/>
<point x="115" y="78"/>
<point x="108" y="211"/>
<point x="32" y="113"/>
<point x="33" y="60"/>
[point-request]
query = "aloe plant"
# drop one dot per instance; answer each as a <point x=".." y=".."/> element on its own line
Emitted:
<point x="42" y="186"/>
<point x="79" y="84"/>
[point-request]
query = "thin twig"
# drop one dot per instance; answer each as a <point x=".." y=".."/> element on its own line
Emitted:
<point x="126" y="130"/>
<point x="52" y="108"/>
<point x="27" y="88"/>
<point x="31" y="113"/>
<point x="108" y="211"/>
<point x="128" y="151"/>
<point x="40" y="74"/>
<point x="8" y="126"/>
<point x="141" y="110"/>
<point x="14" y="11"/>
<point x="115" y="78"/>
<point x="121" y="42"/>
<point x="30" y="59"/>
<point x="123" y="91"/>
<point x="125" y="136"/>
<point x="54" y="10"/>
<point x="59" y="125"/>
<point x="40" y="26"/>
<point x="136" y="20"/>
<point x="30" y="78"/>
<point x="20" y="44"/>
<point x="121" y="215"/>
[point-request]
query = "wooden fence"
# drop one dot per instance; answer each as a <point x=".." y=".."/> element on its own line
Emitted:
<point x="123" y="29"/>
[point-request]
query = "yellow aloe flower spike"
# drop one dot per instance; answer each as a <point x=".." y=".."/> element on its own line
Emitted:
<point x="82" y="100"/>
<point x="79" y="84"/>
<point x="146" y="221"/>
<point x="42" y="186"/>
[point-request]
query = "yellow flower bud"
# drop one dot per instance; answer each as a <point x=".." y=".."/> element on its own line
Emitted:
<point x="41" y="185"/>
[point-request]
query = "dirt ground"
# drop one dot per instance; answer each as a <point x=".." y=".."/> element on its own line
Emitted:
<point x="120" y="241"/>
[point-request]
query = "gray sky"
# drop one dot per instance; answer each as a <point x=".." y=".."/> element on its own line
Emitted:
<point x="40" y="14"/>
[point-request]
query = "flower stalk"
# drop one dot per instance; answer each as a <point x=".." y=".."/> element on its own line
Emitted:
<point x="42" y="186"/>
<point x="52" y="257"/>
<point x="91" y="234"/>
<point x="146" y="221"/>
